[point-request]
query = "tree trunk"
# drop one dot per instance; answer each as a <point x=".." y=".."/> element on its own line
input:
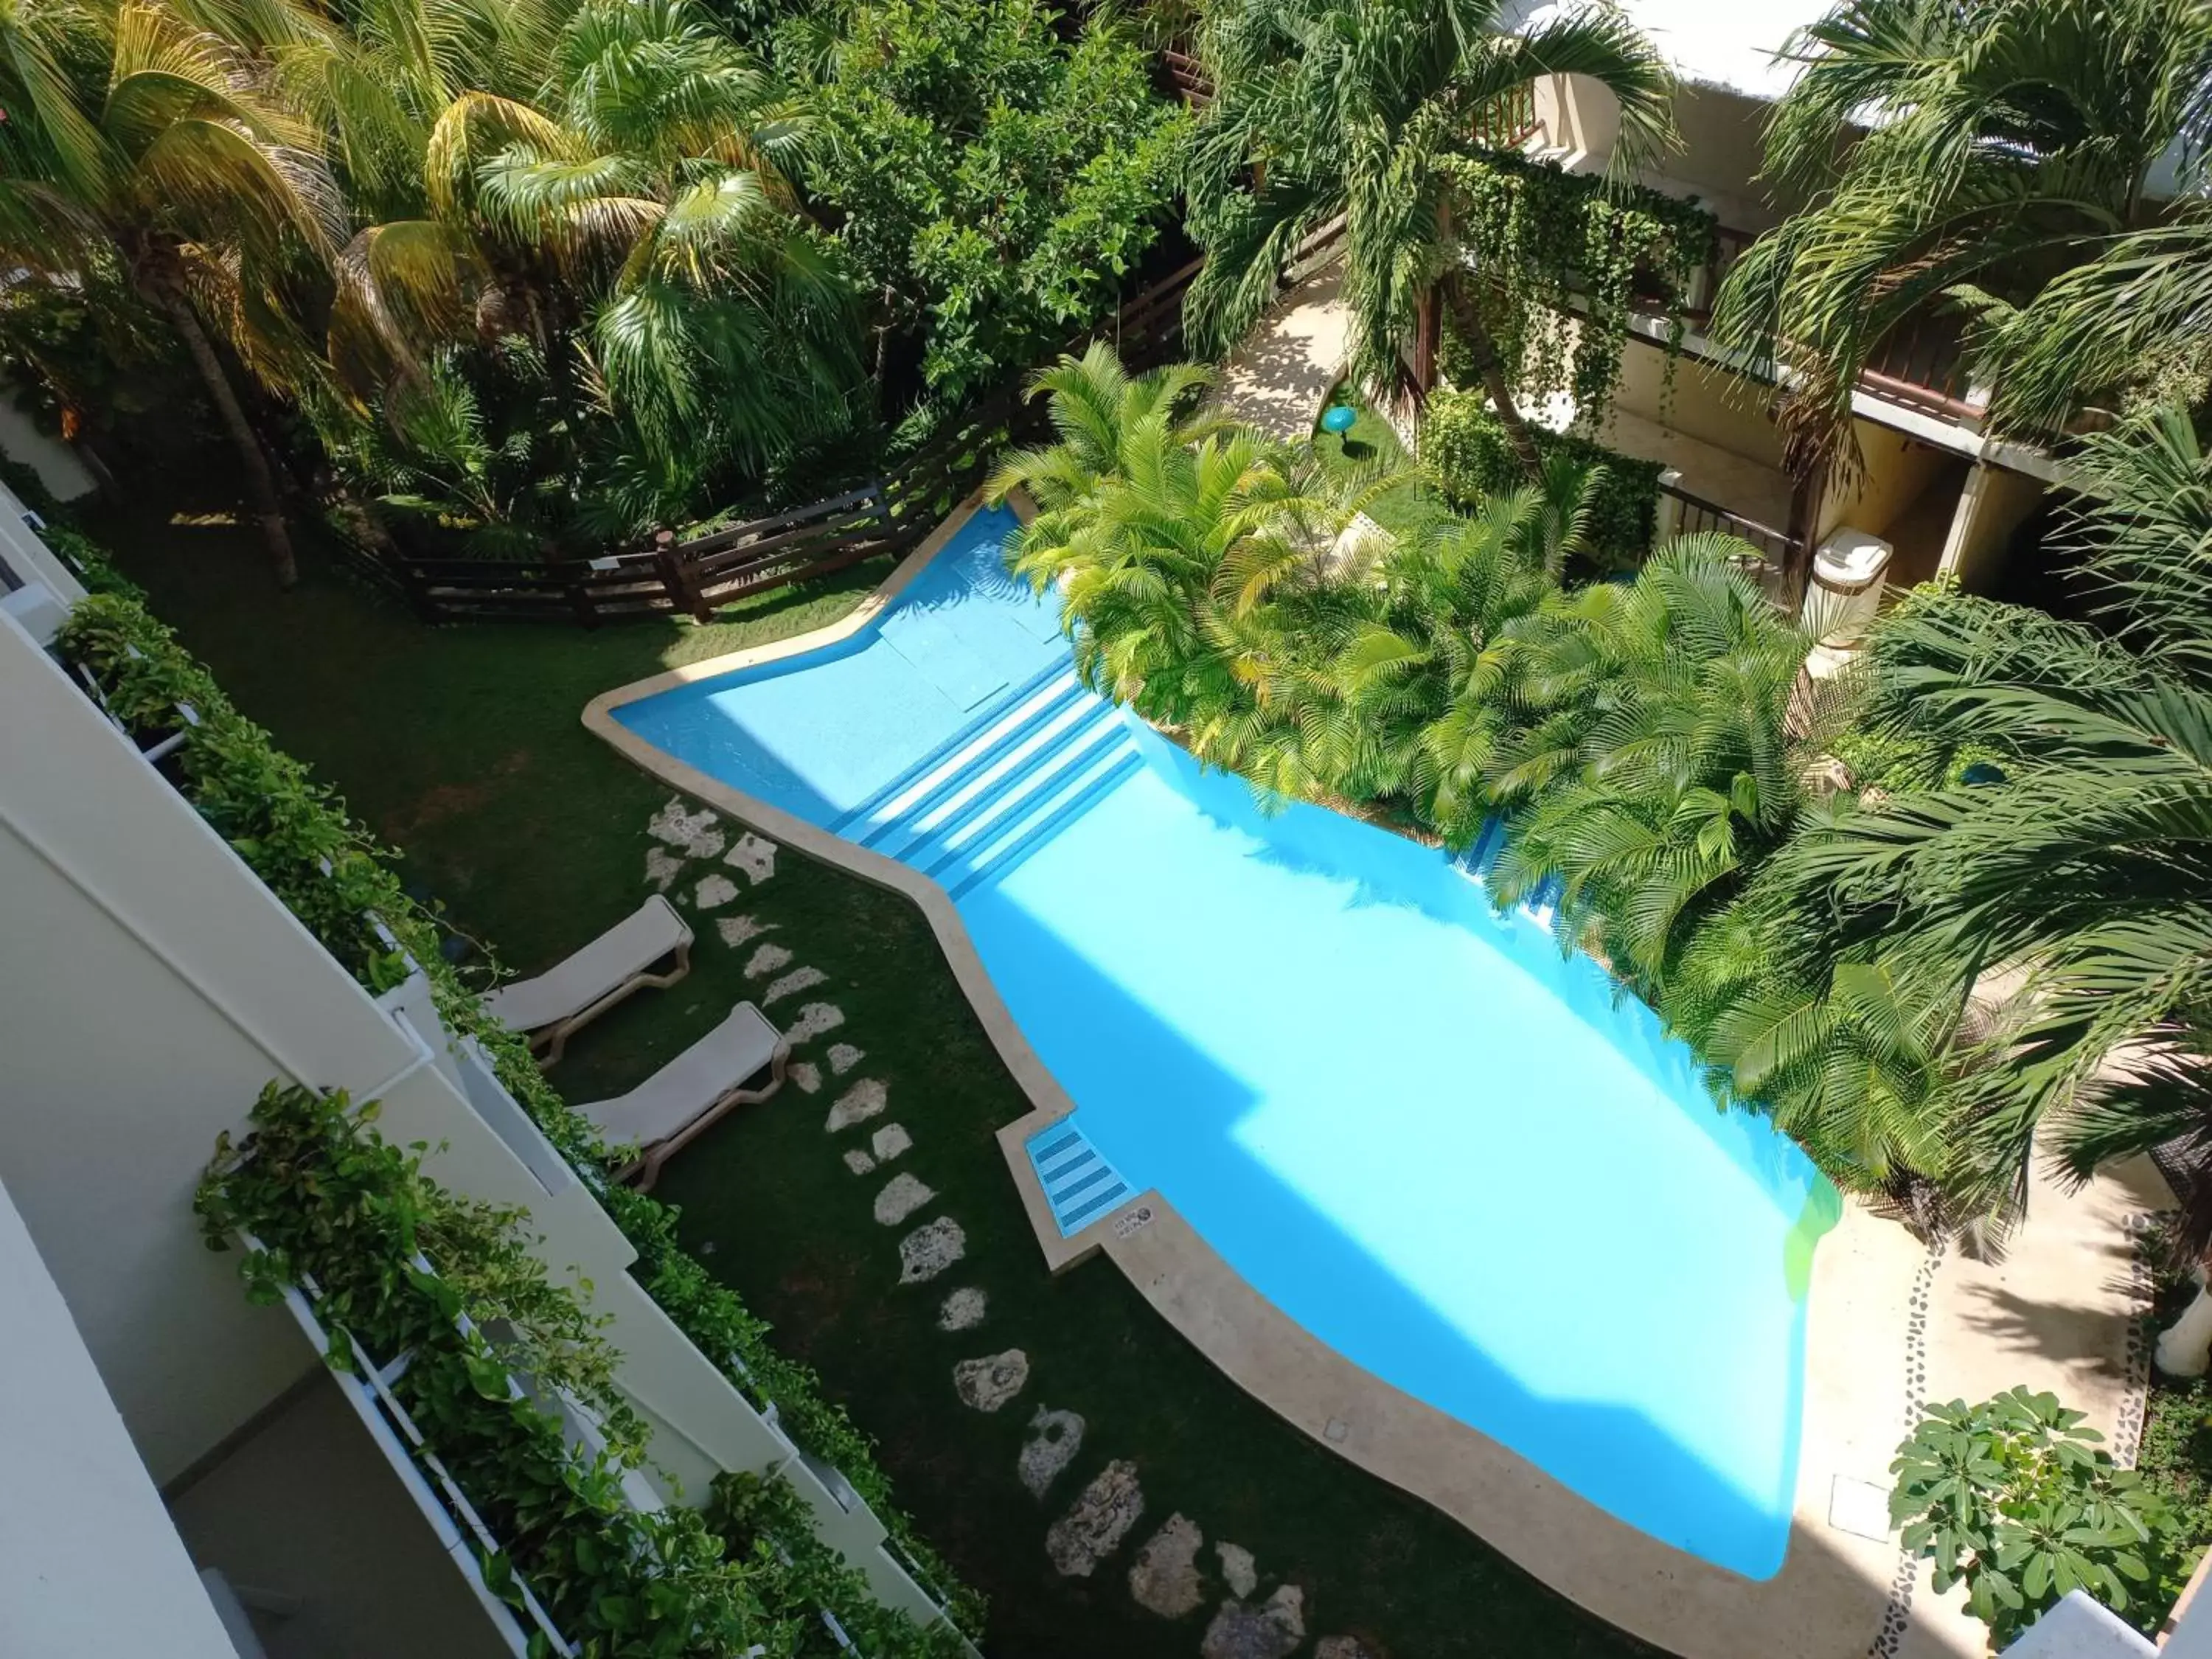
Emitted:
<point x="1467" y="317"/>
<point x="260" y="482"/>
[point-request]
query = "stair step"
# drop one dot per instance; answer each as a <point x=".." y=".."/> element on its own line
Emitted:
<point x="1030" y="746"/>
<point x="991" y="811"/>
<point x="1000" y="856"/>
<point x="1079" y="1184"/>
<point x="924" y="794"/>
<point x="968" y="733"/>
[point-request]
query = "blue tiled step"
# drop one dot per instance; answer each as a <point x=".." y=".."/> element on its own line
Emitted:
<point x="1079" y="1184"/>
<point x="1056" y="678"/>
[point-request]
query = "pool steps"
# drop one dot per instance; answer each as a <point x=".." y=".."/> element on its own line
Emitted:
<point x="1079" y="1184"/>
<point x="1539" y="907"/>
<point x="977" y="804"/>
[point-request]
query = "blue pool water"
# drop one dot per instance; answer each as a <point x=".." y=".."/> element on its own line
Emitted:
<point x="1448" y="1152"/>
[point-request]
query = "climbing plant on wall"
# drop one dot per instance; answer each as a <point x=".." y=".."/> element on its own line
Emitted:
<point x="1562" y="259"/>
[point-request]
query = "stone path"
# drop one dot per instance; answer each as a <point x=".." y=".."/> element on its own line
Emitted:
<point x="1288" y="368"/>
<point x="1277" y="378"/>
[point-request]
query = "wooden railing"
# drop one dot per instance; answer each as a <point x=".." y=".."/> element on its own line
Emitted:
<point x="694" y="576"/>
<point x="1187" y="76"/>
<point x="1919" y="364"/>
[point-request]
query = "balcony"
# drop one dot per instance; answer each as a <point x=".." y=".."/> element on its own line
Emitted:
<point x="1918" y="365"/>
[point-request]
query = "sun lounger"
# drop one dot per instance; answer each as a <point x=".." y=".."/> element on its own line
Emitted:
<point x="663" y="1114"/>
<point x="582" y="988"/>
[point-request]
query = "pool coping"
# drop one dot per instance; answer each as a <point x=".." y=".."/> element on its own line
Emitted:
<point x="1827" y="1601"/>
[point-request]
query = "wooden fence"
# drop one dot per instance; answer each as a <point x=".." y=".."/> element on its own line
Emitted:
<point x="694" y="576"/>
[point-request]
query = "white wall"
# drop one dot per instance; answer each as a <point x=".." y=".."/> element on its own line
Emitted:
<point x="55" y="462"/>
<point x="149" y="987"/>
<point x="90" y="1567"/>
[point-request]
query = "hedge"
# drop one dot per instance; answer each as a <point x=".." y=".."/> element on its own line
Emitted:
<point x="1468" y="457"/>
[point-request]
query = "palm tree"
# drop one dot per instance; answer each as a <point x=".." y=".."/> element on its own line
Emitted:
<point x="2049" y="931"/>
<point x="1402" y="683"/>
<point x="2006" y="142"/>
<point x="1324" y="108"/>
<point x="1157" y="531"/>
<point x="185" y="182"/>
<point x="1650" y="765"/>
<point x="651" y="181"/>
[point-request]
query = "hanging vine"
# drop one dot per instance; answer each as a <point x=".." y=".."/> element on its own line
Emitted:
<point x="1562" y="262"/>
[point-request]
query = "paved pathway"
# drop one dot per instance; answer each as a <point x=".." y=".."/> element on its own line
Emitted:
<point x="1277" y="378"/>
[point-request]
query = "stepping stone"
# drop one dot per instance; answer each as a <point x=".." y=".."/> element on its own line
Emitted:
<point x="1272" y="1630"/>
<point x="698" y="835"/>
<point x="661" y="867"/>
<point x="736" y="929"/>
<point x="1101" y="1519"/>
<point x="1344" y="1647"/>
<point x="813" y="1020"/>
<point x="766" y="960"/>
<point x="888" y="1142"/>
<point x="859" y="1162"/>
<point x="799" y="978"/>
<point x="843" y="1057"/>
<point x="1238" y="1570"/>
<point x="929" y="1249"/>
<point x="901" y="1197"/>
<point x="1165" y="1579"/>
<point x="962" y="1310"/>
<point x="715" y="893"/>
<point x="806" y="1074"/>
<point x="987" y="1383"/>
<point x="754" y="856"/>
<point x="1055" y="1438"/>
<point x="857" y="1105"/>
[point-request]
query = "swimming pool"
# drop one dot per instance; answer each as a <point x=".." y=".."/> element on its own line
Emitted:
<point x="1448" y="1153"/>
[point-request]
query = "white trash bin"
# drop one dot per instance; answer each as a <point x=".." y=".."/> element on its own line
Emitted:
<point x="1846" y="590"/>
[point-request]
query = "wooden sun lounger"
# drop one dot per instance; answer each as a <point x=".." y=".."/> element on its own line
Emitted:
<point x="581" y="987"/>
<point x="688" y="1095"/>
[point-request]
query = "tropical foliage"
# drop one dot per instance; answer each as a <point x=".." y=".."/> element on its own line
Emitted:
<point x="1387" y="114"/>
<point x="995" y="185"/>
<point x="2043" y="932"/>
<point x="543" y="273"/>
<point x="1437" y="672"/>
<point x="1994" y="160"/>
<point x="2016" y="1499"/>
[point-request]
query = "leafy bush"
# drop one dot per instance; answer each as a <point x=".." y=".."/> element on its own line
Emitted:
<point x="1468" y="457"/>
<point x="996" y="182"/>
<point x="325" y="1196"/>
<point x="2015" y="1498"/>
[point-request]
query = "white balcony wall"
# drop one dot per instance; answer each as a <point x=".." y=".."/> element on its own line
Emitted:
<point x="90" y="1567"/>
<point x="150" y="986"/>
<point x="28" y="556"/>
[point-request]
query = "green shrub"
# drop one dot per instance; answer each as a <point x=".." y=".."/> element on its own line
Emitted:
<point x="2015" y="1498"/>
<point x="1468" y="457"/>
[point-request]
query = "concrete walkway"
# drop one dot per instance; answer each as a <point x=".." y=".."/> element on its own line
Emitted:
<point x="1276" y="380"/>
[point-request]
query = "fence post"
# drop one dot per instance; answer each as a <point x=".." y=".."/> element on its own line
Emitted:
<point x="671" y="566"/>
<point x="579" y="600"/>
<point x="417" y="591"/>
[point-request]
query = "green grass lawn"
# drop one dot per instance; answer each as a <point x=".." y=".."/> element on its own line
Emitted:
<point x="1371" y="446"/>
<point x="461" y="745"/>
